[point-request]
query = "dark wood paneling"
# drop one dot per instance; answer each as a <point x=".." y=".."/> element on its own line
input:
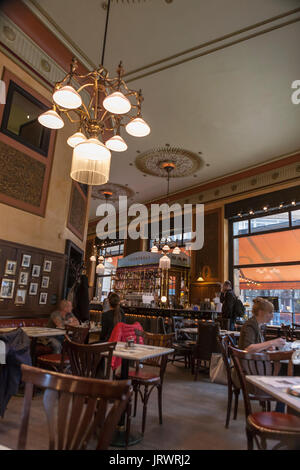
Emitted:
<point x="32" y="308"/>
<point x="131" y="246"/>
<point x="207" y="261"/>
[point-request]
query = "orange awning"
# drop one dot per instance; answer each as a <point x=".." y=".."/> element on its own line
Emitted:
<point x="276" y="247"/>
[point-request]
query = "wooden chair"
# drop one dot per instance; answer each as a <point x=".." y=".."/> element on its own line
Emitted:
<point x="58" y="362"/>
<point x="264" y="425"/>
<point x="145" y="380"/>
<point x="87" y="360"/>
<point x="232" y="386"/>
<point x="182" y="348"/>
<point x="207" y="343"/>
<point x="76" y="407"/>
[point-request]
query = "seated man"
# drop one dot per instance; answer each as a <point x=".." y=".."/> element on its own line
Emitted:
<point x="58" y="319"/>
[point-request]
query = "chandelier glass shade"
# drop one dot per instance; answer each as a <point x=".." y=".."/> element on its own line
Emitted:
<point x="67" y="97"/>
<point x="100" y="268"/>
<point x="91" y="162"/>
<point x="138" y="127"/>
<point x="76" y="139"/>
<point x="116" y="143"/>
<point x="107" y="107"/>
<point x="51" y="119"/>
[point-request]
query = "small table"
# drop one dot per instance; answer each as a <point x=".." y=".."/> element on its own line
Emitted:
<point x="277" y="387"/>
<point x="139" y="353"/>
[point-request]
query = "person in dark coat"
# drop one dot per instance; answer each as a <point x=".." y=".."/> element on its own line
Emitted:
<point x="228" y="299"/>
<point x="81" y="299"/>
<point x="17" y="352"/>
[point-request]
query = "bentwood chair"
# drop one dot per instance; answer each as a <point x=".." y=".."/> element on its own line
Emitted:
<point x="58" y="362"/>
<point x="76" y="408"/>
<point x="182" y="345"/>
<point x="233" y="387"/>
<point x="264" y="425"/>
<point x="151" y="377"/>
<point x="87" y="360"/>
<point x="207" y="343"/>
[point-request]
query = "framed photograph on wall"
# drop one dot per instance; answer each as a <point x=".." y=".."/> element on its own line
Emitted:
<point x="43" y="298"/>
<point x="26" y="261"/>
<point x="23" y="278"/>
<point x="20" y="297"/>
<point x="33" y="288"/>
<point x="7" y="288"/>
<point x="47" y="266"/>
<point x="36" y="270"/>
<point x="10" y="267"/>
<point x="45" y="282"/>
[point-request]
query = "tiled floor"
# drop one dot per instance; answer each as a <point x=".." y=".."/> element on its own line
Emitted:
<point x="193" y="418"/>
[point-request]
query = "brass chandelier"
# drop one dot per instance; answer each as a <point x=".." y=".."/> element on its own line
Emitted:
<point x="111" y="106"/>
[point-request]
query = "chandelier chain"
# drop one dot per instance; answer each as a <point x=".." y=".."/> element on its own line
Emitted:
<point x="105" y="32"/>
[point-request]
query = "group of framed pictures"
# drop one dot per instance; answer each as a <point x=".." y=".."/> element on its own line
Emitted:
<point x="8" y="285"/>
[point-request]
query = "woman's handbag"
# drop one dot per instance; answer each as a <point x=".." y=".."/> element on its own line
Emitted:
<point x="217" y="370"/>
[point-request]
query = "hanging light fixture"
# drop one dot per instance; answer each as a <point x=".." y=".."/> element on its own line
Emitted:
<point x="164" y="262"/>
<point x="100" y="269"/>
<point x="111" y="107"/>
<point x="176" y="250"/>
<point x="154" y="249"/>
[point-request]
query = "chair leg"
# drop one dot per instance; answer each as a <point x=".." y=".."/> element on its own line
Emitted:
<point x="229" y="402"/>
<point x="236" y="403"/>
<point x="159" y="392"/>
<point x="249" y="440"/>
<point x="145" y="403"/>
<point x="196" y="370"/>
<point x="128" y="425"/>
<point x="135" y="400"/>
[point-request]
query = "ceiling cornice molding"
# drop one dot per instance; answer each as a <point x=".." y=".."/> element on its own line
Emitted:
<point x="238" y="177"/>
<point x="35" y="29"/>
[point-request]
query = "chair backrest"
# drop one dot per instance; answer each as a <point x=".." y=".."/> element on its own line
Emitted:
<point x="75" y="408"/>
<point x="225" y="342"/>
<point x="90" y="360"/>
<point x="162" y="341"/>
<point x="267" y="364"/>
<point x="78" y="334"/>
<point x="207" y="340"/>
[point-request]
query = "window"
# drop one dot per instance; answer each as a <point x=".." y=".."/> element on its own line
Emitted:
<point x="269" y="222"/>
<point x="20" y="119"/>
<point x="296" y="217"/>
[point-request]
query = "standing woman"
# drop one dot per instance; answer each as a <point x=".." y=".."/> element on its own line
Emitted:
<point x="111" y="317"/>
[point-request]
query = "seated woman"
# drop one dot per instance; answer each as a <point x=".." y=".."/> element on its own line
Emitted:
<point x="251" y="338"/>
<point x="111" y="317"/>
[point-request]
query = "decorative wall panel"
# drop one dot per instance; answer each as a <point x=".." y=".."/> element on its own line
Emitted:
<point x="77" y="213"/>
<point x="21" y="177"/>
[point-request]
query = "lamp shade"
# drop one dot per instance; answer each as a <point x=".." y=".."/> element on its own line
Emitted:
<point x="67" y="97"/>
<point x="116" y="143"/>
<point x="76" y="139"/>
<point x="100" y="268"/>
<point x="164" y="262"/>
<point x="109" y="260"/>
<point x="176" y="250"/>
<point x="138" y="128"/>
<point x="51" y="119"/>
<point x="163" y="299"/>
<point x="93" y="258"/>
<point x="91" y="163"/>
<point x="166" y="248"/>
<point x="154" y="249"/>
<point x="117" y="103"/>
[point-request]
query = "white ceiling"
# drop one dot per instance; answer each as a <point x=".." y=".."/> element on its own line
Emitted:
<point x="234" y="105"/>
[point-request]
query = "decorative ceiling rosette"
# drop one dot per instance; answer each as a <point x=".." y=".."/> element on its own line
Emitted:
<point x="153" y="162"/>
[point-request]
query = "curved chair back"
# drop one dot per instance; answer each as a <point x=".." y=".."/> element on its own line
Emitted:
<point x="87" y="360"/>
<point x="267" y="364"/>
<point x="76" y="407"/>
<point x="162" y="341"/>
<point x="78" y="334"/>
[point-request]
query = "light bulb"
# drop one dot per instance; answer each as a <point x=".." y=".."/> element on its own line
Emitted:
<point x="163" y="299"/>
<point x="76" y="139"/>
<point x="116" y="143"/>
<point x="67" y="97"/>
<point x="117" y="103"/>
<point x="51" y="119"/>
<point x="138" y="128"/>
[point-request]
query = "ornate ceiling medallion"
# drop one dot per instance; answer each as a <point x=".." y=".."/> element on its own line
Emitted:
<point x="110" y="192"/>
<point x="184" y="162"/>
